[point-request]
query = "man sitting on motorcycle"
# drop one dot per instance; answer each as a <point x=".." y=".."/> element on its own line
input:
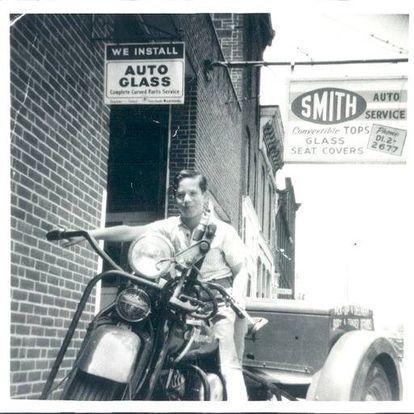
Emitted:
<point x="224" y="264"/>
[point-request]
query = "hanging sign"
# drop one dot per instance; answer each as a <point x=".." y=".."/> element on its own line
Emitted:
<point x="347" y="121"/>
<point x="144" y="73"/>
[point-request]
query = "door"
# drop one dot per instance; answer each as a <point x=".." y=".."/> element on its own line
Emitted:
<point x="137" y="171"/>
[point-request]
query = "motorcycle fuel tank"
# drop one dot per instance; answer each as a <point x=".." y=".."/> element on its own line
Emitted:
<point x="110" y="352"/>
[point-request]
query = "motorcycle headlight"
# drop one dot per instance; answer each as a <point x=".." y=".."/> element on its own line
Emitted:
<point x="150" y="255"/>
<point x="133" y="304"/>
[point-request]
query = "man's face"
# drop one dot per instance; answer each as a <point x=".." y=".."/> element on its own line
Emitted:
<point x="190" y="198"/>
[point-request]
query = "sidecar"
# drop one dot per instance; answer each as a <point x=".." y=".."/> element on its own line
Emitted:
<point x="316" y="353"/>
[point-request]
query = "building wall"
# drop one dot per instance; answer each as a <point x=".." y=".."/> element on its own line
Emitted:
<point x="59" y="152"/>
<point x="59" y="148"/>
<point x="285" y="224"/>
<point x="243" y="38"/>
<point x="206" y="131"/>
<point x="231" y="30"/>
<point x="260" y="262"/>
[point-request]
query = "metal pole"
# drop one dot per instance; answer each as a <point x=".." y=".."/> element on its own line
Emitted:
<point x="167" y="167"/>
<point x="309" y="63"/>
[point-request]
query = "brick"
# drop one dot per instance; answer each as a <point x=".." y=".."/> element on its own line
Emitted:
<point x="32" y="275"/>
<point x="23" y="192"/>
<point x="26" y="284"/>
<point x="32" y="219"/>
<point x="42" y="342"/>
<point x="41" y="364"/>
<point x="26" y="307"/>
<point x="25" y="205"/>
<point x="47" y="321"/>
<point x="35" y="298"/>
<point x="14" y="282"/>
<point x="14" y="366"/>
<point x="19" y="377"/>
<point x="33" y="319"/>
<point x="22" y="330"/>
<point x="34" y="376"/>
<point x="37" y="387"/>
<point x="18" y="213"/>
<point x="19" y="295"/>
<point x="16" y="235"/>
<point x="17" y="318"/>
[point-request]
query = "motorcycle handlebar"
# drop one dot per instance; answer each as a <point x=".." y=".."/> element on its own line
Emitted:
<point x="56" y="235"/>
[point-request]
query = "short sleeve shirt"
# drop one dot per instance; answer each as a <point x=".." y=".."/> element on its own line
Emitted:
<point x="226" y="251"/>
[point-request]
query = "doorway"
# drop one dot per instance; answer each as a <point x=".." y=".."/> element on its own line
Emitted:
<point x="137" y="173"/>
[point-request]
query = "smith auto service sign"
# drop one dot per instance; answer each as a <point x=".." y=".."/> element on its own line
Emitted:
<point x="347" y="120"/>
<point x="144" y="73"/>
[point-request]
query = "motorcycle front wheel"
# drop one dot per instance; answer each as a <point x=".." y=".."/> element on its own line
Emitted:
<point x="86" y="387"/>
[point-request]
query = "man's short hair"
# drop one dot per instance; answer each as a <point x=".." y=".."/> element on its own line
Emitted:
<point x="202" y="180"/>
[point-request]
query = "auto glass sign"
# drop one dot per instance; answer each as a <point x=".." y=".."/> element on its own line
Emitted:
<point x="144" y="73"/>
<point x="347" y="120"/>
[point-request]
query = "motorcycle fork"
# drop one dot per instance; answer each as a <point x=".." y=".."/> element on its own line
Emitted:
<point x="143" y="365"/>
<point x="157" y="362"/>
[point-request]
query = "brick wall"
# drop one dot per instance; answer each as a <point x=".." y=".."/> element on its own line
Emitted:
<point x="231" y="30"/>
<point x="59" y="145"/>
<point x="206" y="131"/>
<point x="242" y="39"/>
<point x="183" y="137"/>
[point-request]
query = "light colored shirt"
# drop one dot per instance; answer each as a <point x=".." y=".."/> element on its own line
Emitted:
<point x="226" y="249"/>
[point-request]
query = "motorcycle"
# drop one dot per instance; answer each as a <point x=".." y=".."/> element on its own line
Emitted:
<point x="155" y="341"/>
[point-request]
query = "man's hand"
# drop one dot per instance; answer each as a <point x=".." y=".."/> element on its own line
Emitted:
<point x="72" y="241"/>
<point x="240" y="284"/>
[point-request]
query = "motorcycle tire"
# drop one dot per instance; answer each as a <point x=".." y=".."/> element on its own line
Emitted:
<point x="86" y="387"/>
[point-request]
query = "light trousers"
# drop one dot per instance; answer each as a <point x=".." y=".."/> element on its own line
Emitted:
<point x="230" y="331"/>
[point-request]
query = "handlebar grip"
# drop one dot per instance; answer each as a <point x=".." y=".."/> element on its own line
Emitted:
<point x="54" y="235"/>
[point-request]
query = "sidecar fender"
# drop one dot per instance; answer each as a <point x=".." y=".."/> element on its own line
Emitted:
<point x="111" y="353"/>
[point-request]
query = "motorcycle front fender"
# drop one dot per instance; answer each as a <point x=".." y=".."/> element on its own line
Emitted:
<point x="110" y="352"/>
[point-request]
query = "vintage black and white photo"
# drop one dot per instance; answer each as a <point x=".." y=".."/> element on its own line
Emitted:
<point x="208" y="205"/>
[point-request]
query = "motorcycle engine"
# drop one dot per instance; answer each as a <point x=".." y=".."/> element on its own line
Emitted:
<point x="186" y="385"/>
<point x="171" y="385"/>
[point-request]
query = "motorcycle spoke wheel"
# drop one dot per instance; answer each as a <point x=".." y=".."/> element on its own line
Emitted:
<point x="86" y="387"/>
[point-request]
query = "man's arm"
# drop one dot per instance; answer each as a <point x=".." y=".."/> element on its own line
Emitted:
<point x="120" y="233"/>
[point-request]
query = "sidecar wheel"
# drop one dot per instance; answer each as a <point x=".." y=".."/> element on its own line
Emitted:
<point x="86" y="387"/>
<point x="377" y="386"/>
